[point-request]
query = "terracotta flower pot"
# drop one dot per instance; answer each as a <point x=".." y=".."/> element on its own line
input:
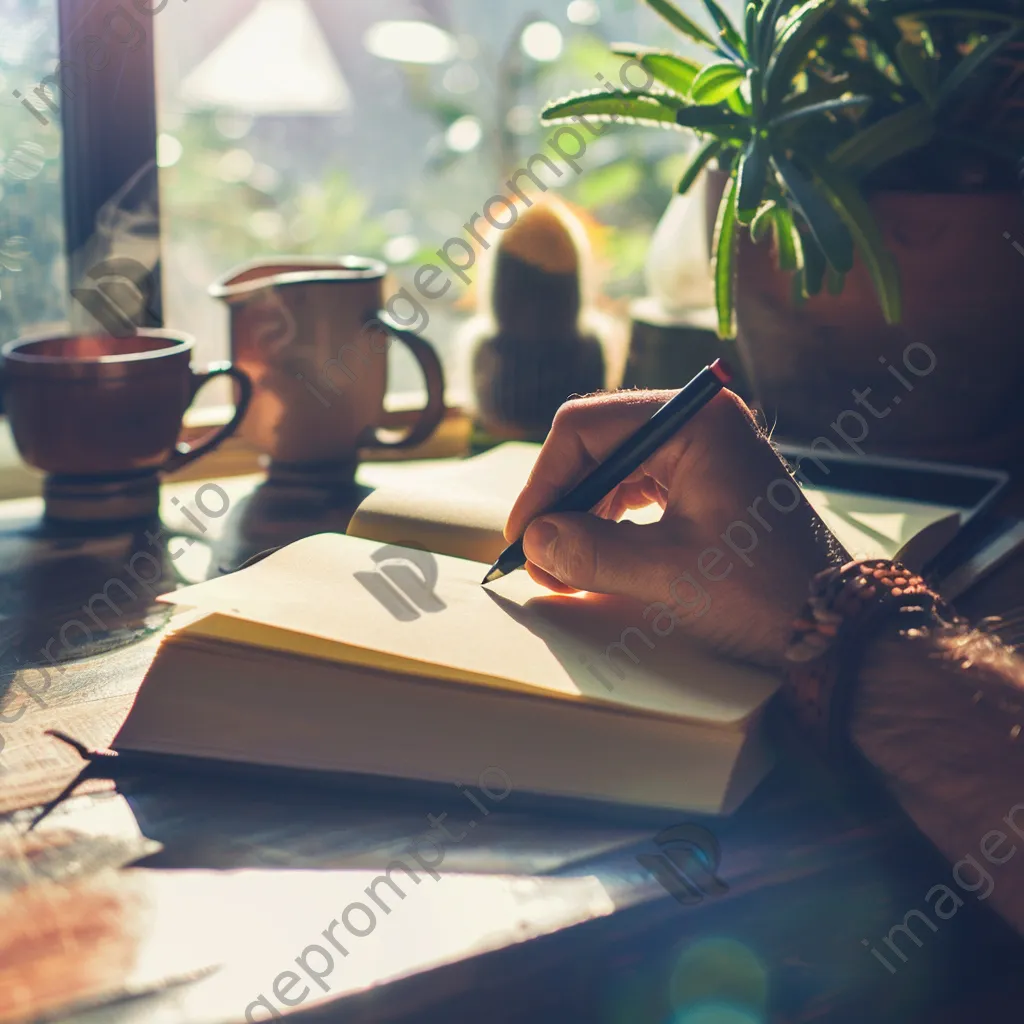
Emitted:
<point x="944" y="383"/>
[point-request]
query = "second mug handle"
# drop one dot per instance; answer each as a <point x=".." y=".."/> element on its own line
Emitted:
<point x="433" y="412"/>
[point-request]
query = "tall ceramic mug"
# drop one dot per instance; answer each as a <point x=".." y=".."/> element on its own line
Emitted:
<point x="101" y="415"/>
<point x="313" y="336"/>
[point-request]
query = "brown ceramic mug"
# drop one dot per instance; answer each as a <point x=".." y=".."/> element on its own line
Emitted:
<point x="313" y="336"/>
<point x="101" y="416"/>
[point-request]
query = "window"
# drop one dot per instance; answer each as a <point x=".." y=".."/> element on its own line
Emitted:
<point x="379" y="127"/>
<point x="33" y="291"/>
<point x="376" y="127"/>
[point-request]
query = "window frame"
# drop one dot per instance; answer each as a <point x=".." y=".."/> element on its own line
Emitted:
<point x="99" y="153"/>
<point x="102" y="153"/>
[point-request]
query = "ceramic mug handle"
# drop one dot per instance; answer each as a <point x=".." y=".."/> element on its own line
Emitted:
<point x="433" y="412"/>
<point x="186" y="453"/>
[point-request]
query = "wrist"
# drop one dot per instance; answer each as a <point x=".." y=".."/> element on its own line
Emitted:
<point x="896" y="686"/>
<point x="890" y="659"/>
<point x="911" y="690"/>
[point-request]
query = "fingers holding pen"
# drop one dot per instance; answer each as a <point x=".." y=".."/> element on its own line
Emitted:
<point x="583" y="433"/>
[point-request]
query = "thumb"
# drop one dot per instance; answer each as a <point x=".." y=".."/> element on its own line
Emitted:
<point x="586" y="552"/>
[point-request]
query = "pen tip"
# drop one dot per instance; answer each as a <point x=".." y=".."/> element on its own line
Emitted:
<point x="493" y="574"/>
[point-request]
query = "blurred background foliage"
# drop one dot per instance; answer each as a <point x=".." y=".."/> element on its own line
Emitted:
<point x="477" y="122"/>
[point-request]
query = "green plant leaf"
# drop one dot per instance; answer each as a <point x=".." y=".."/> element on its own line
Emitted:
<point x="767" y="19"/>
<point x="972" y="62"/>
<point x="762" y="222"/>
<point x="829" y="231"/>
<point x="668" y="68"/>
<point x="750" y="28"/>
<point x="720" y="121"/>
<point x="791" y="49"/>
<point x="857" y="215"/>
<point x="727" y="32"/>
<point x="751" y="176"/>
<point x="707" y="151"/>
<point x="715" y="82"/>
<point x="630" y="105"/>
<point x="724" y="249"/>
<point x="681" y="22"/>
<point x="737" y="102"/>
<point x="787" y="243"/>
<point x="730" y="155"/>
<point x="917" y="69"/>
<point x="885" y="140"/>
<point x="814" y="266"/>
<point x="811" y="109"/>
<point x="884" y="34"/>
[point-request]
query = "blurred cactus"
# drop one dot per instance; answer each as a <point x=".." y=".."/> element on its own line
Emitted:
<point x="529" y="353"/>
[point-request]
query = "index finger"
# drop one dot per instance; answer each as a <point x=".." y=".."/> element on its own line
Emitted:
<point x="584" y="432"/>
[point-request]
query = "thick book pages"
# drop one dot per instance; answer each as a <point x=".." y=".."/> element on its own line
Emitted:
<point x="336" y="653"/>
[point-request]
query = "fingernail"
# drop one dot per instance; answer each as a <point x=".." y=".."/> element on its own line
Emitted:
<point x="539" y="542"/>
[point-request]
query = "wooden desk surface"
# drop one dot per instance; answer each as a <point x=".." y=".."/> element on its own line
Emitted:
<point x="181" y="896"/>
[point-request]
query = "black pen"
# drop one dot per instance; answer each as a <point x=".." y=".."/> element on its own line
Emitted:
<point x="627" y="457"/>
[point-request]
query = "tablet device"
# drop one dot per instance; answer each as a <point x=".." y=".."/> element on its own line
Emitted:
<point x="983" y="541"/>
<point x="969" y="489"/>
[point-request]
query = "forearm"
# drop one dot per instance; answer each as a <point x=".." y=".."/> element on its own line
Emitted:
<point x="941" y="718"/>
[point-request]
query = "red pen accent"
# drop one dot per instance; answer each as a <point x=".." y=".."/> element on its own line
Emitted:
<point x="720" y="368"/>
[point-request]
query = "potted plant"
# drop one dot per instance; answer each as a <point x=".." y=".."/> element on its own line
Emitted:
<point x="865" y="154"/>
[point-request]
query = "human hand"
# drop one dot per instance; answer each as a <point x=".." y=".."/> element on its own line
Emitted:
<point x="731" y="557"/>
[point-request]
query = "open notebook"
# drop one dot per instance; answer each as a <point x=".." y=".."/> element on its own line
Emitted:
<point x="379" y="652"/>
<point x="334" y="655"/>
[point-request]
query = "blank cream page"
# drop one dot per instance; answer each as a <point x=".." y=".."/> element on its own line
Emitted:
<point x="869" y="526"/>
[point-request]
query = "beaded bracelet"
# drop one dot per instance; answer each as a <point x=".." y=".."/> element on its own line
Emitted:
<point x="848" y="606"/>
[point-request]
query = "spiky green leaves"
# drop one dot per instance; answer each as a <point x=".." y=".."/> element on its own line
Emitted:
<point x="751" y="176"/>
<point x="786" y="103"/>
<point x="680" y="21"/>
<point x="671" y="70"/>
<point x="633" y="105"/>
<point x="715" y="82"/>
<point x="724" y="254"/>
<point x="704" y="154"/>
<point x="822" y="220"/>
